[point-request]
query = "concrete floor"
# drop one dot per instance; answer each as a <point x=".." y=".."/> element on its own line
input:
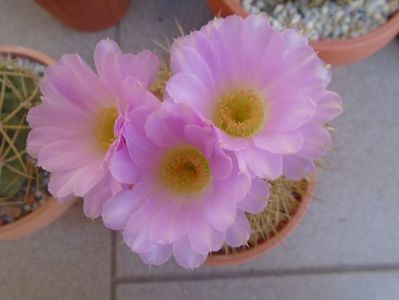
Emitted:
<point x="347" y="246"/>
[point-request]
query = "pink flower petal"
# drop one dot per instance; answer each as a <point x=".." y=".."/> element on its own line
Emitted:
<point x="188" y="59"/>
<point x="221" y="165"/>
<point x="239" y="185"/>
<point x="163" y="130"/>
<point x="68" y="154"/>
<point x="142" y="159"/>
<point x="113" y="66"/>
<point x="306" y="60"/>
<point x="95" y="198"/>
<point x="66" y="117"/>
<point x="303" y="70"/>
<point x="256" y="199"/>
<point x="106" y="56"/>
<point x="220" y="209"/>
<point x="206" y="48"/>
<point x="170" y="222"/>
<point x="188" y="89"/>
<point x="317" y="142"/>
<point x="293" y="40"/>
<point x="260" y="43"/>
<point x="122" y="168"/>
<point x="77" y="82"/>
<point x="117" y="210"/>
<point x="152" y="64"/>
<point x="185" y="256"/>
<point x="157" y="256"/>
<point x="70" y="182"/>
<point x="202" y="237"/>
<point x="279" y="143"/>
<point x="135" y="234"/>
<point x="42" y="136"/>
<point x="239" y="233"/>
<point x="133" y="129"/>
<point x="137" y="242"/>
<point x="242" y="164"/>
<point x="132" y="66"/>
<point x="135" y="94"/>
<point x="231" y="143"/>
<point x="328" y="107"/>
<point x="226" y="38"/>
<point x="263" y="163"/>
<point x="296" y="168"/>
<point x="203" y="138"/>
<point x="289" y="113"/>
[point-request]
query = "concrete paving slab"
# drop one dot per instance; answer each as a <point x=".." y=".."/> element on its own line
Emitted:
<point x="68" y="260"/>
<point x="375" y="286"/>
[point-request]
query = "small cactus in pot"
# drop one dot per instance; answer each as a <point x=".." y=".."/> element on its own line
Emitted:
<point x="21" y="183"/>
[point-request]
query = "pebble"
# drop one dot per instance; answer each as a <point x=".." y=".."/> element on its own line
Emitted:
<point x="13" y="211"/>
<point x="30" y="199"/>
<point x="325" y="19"/>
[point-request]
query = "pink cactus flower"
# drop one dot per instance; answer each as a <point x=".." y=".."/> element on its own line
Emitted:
<point x="264" y="90"/>
<point x="76" y="128"/>
<point x="189" y="197"/>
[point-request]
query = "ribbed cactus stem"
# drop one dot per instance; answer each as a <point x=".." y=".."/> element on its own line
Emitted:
<point x="19" y="90"/>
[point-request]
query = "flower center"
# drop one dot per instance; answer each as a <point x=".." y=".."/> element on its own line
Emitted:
<point x="240" y="113"/>
<point x="104" y="127"/>
<point x="185" y="170"/>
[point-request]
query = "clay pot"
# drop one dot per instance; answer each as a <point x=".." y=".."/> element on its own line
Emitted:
<point x="50" y="209"/>
<point x="335" y="52"/>
<point x="268" y="245"/>
<point x="86" y="15"/>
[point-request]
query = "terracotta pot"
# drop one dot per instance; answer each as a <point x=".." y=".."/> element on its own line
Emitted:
<point x="268" y="245"/>
<point x="335" y="52"/>
<point x="50" y="209"/>
<point x="86" y="15"/>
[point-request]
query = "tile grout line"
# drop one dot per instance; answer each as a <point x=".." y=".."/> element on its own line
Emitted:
<point x="225" y="275"/>
<point x="113" y="281"/>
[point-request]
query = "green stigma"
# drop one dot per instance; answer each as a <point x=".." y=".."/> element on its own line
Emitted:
<point x="240" y="113"/>
<point x="185" y="170"/>
<point x="104" y="127"/>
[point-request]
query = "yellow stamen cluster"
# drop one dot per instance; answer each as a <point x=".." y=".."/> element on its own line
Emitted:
<point x="104" y="127"/>
<point x="185" y="170"/>
<point x="240" y="114"/>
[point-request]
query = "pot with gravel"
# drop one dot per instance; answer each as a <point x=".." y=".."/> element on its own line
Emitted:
<point x="342" y="31"/>
<point x="25" y="204"/>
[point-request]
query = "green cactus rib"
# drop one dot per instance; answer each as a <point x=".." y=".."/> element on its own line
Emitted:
<point x="19" y="90"/>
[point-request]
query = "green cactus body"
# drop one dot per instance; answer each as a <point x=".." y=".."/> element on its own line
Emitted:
<point x="18" y="92"/>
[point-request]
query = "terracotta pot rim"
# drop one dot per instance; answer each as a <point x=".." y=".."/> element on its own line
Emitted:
<point x="268" y="245"/>
<point x="36" y="220"/>
<point x="50" y="209"/>
<point x="392" y="24"/>
<point x="34" y="55"/>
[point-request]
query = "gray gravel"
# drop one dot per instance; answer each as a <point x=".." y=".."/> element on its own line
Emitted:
<point x="328" y="20"/>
